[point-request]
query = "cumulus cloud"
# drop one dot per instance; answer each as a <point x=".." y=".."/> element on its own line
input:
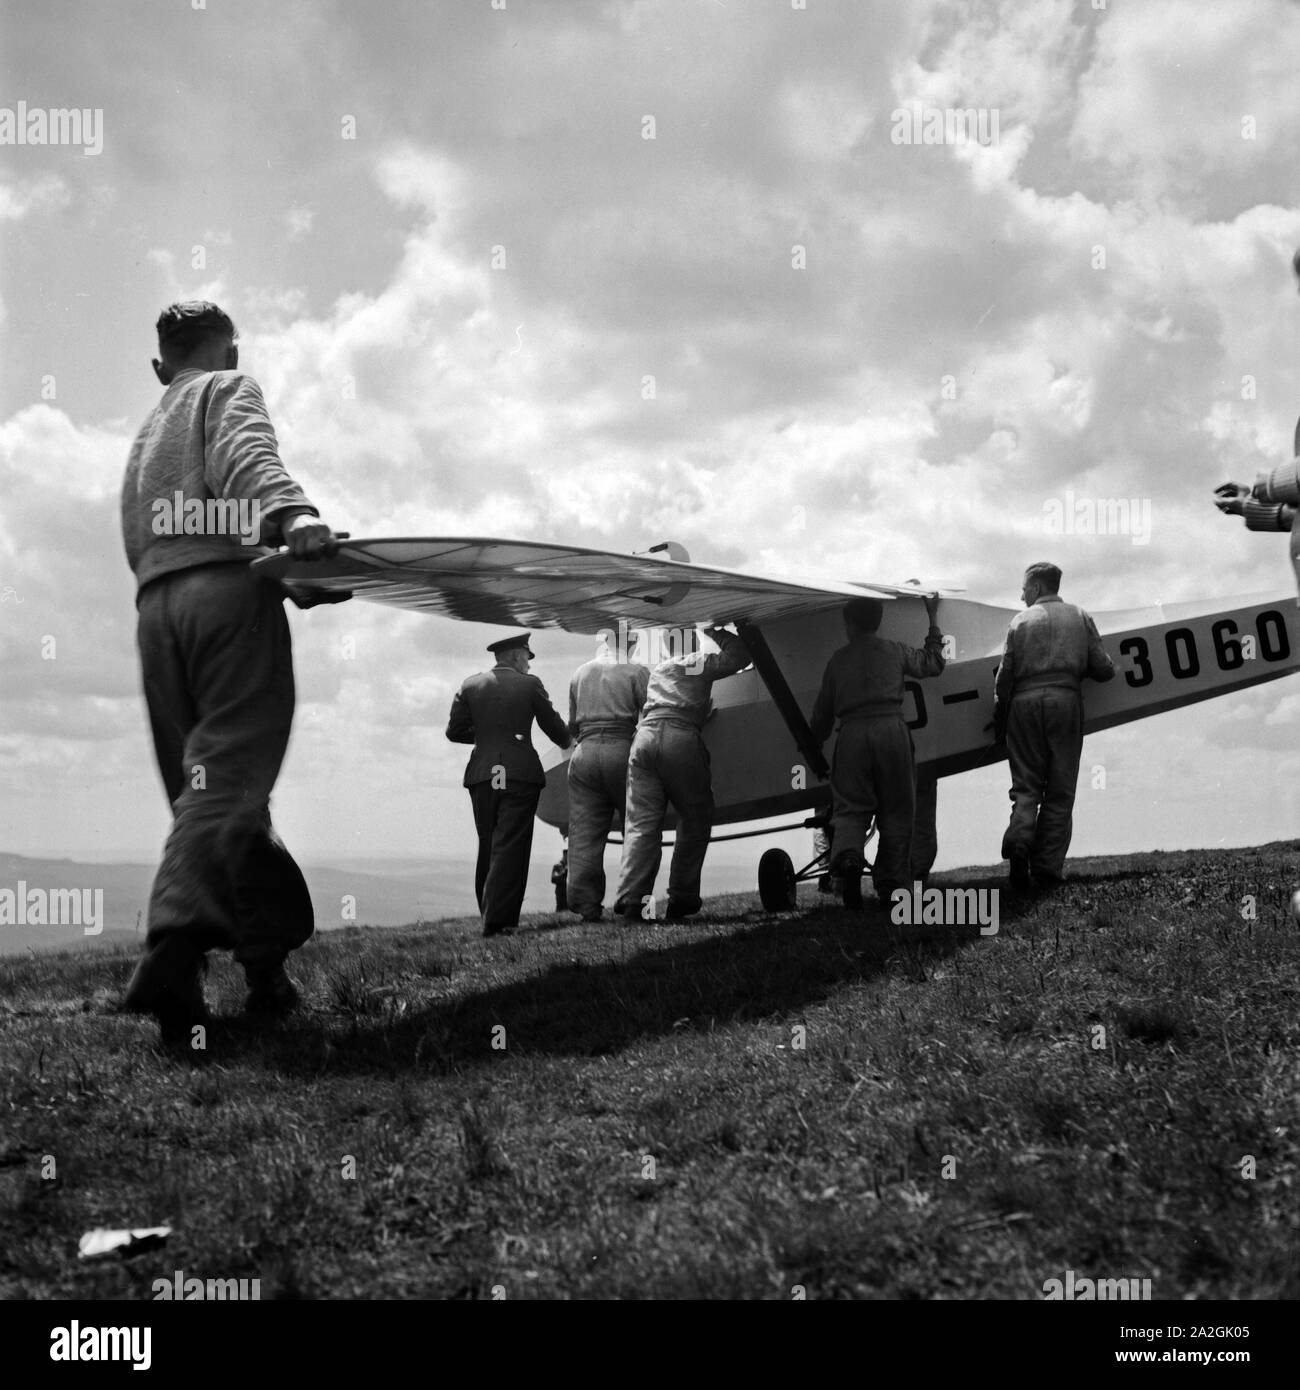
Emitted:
<point x="770" y="332"/>
<point x="19" y="199"/>
<point x="299" y="222"/>
<point x="1178" y="93"/>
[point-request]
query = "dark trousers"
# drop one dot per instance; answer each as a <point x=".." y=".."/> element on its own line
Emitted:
<point x="872" y="775"/>
<point x="217" y="667"/>
<point x="1044" y="743"/>
<point x="925" y="832"/>
<point x="503" y="817"/>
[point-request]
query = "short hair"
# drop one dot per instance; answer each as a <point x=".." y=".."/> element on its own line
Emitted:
<point x="188" y="324"/>
<point x="1048" y="575"/>
<point x="864" y="613"/>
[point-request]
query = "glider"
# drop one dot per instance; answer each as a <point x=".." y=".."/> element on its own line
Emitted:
<point x="764" y="761"/>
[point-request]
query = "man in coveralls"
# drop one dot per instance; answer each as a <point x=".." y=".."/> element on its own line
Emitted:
<point x="1038" y="709"/>
<point x="494" y="711"/>
<point x="873" y="773"/>
<point x="605" y="699"/>
<point x="669" y="763"/>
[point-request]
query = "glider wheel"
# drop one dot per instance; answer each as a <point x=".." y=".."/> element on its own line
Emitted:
<point x="777" y="886"/>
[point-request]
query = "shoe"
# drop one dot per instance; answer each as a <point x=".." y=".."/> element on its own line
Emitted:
<point x="847" y="869"/>
<point x="826" y="884"/>
<point x="1045" y="882"/>
<point x="168" y="983"/>
<point x="1020" y="880"/>
<point x="498" y="931"/>
<point x="885" y="895"/>
<point x="270" y="991"/>
<point x="679" y="908"/>
<point x="844" y="862"/>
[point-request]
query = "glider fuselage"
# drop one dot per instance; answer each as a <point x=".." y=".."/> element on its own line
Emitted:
<point x="1166" y="656"/>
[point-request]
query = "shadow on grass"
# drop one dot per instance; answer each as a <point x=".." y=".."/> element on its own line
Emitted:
<point x="761" y="966"/>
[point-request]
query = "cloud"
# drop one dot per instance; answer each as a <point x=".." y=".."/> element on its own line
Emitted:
<point x="299" y="222"/>
<point x="1179" y="93"/>
<point x="502" y="311"/>
<point x="60" y="552"/>
<point x="48" y="193"/>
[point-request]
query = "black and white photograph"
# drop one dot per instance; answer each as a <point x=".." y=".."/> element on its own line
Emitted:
<point x="648" y="655"/>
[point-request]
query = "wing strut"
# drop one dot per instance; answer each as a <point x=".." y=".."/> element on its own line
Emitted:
<point x="782" y="696"/>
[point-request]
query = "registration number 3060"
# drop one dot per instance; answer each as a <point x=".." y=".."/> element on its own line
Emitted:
<point x="1232" y="648"/>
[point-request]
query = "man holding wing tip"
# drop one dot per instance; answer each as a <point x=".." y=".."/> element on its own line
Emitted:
<point x="217" y="669"/>
<point x="873" y="774"/>
<point x="669" y="763"/>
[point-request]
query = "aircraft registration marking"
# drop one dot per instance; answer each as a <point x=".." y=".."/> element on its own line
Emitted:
<point x="1184" y="659"/>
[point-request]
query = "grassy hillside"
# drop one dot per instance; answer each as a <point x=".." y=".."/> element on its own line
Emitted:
<point x="950" y="1123"/>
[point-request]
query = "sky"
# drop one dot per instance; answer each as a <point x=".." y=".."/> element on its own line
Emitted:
<point x="616" y="273"/>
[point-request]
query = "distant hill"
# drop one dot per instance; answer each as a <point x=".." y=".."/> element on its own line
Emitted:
<point x="387" y="893"/>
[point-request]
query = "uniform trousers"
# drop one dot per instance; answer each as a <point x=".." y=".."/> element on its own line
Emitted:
<point x="503" y="817"/>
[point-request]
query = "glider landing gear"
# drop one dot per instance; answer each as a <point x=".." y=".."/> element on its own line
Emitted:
<point x="560" y="878"/>
<point x="778" y="883"/>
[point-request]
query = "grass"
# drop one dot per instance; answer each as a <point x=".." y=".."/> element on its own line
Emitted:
<point x="739" y="1106"/>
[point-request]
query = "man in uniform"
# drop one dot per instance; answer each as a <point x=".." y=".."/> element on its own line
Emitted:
<point x="605" y="699"/>
<point x="873" y="773"/>
<point x="1038" y="710"/>
<point x="494" y="711"/>
<point x="217" y="670"/>
<point x="669" y="763"/>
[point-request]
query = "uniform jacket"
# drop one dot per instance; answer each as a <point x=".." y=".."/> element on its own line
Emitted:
<point x="494" y="711"/>
<point x="1050" y="643"/>
<point x="605" y="697"/>
<point x="865" y="678"/>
